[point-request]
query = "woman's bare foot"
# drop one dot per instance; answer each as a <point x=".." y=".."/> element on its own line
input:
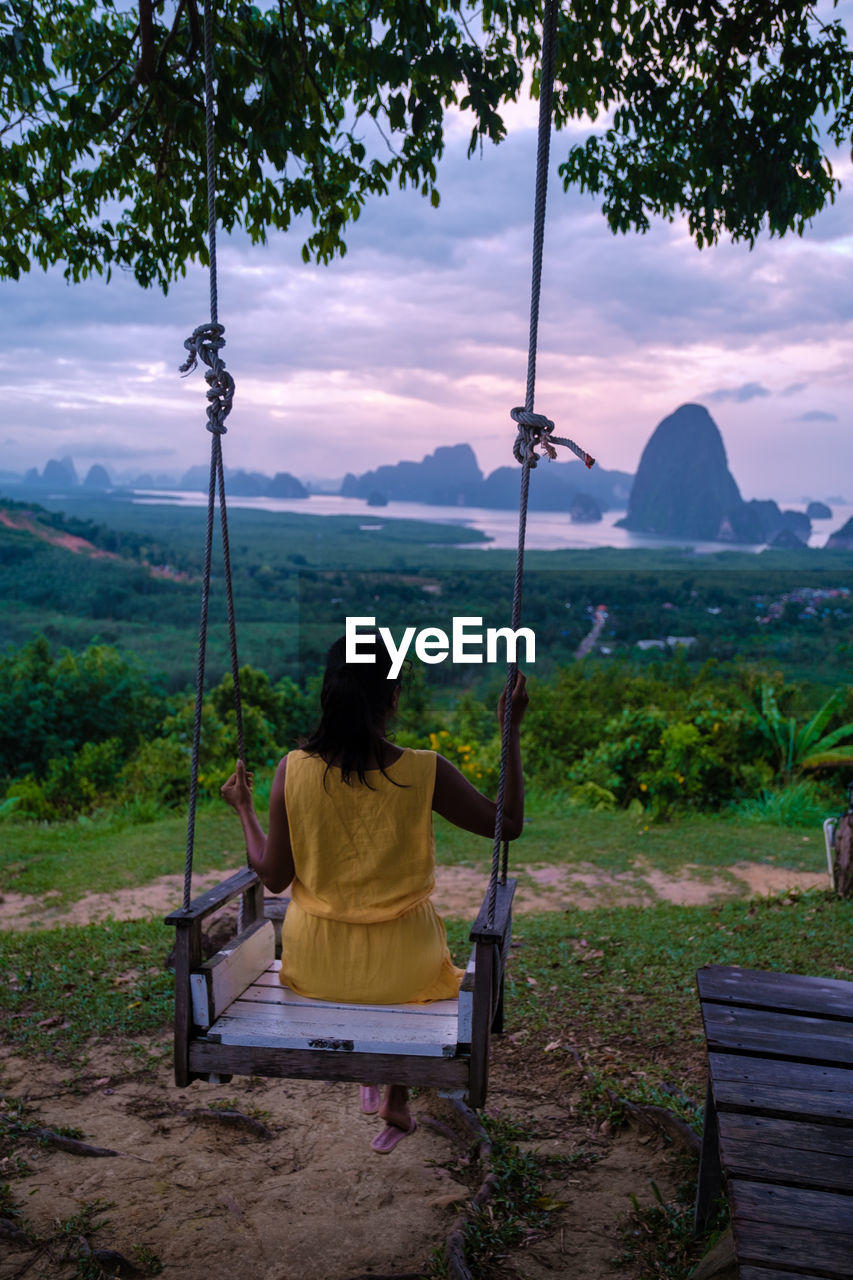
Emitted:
<point x="395" y="1107"/>
<point x="399" y="1121"/>
<point x="370" y="1099"/>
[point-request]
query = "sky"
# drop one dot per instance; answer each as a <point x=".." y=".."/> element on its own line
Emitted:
<point x="418" y="338"/>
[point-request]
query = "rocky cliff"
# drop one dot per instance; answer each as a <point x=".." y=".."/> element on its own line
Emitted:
<point x="843" y="537"/>
<point x="683" y="487"/>
<point x="448" y="477"/>
<point x="451" y="477"/>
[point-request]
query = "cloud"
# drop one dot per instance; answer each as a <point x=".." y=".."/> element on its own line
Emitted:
<point x="748" y="391"/>
<point x="418" y="337"/>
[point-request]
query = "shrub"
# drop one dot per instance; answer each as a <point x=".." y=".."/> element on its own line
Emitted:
<point x="799" y="805"/>
<point x="77" y="783"/>
<point x="51" y="707"/>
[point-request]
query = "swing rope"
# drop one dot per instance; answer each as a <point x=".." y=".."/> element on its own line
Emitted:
<point x="204" y="345"/>
<point x="533" y="429"/>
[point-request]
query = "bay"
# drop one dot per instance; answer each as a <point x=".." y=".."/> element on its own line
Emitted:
<point x="546" y="530"/>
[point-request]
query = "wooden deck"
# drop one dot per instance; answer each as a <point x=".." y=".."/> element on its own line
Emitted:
<point x="779" y="1120"/>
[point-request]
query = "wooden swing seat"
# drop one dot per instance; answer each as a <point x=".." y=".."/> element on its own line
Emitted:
<point x="233" y="1016"/>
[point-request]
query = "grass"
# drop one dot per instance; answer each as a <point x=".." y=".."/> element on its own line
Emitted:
<point x="659" y="1242"/>
<point x="614" y="842"/>
<point x="62" y="988"/>
<point x="622" y="982"/>
<point x="97" y="855"/>
<point x="100" y="854"/>
<point x="516" y="1208"/>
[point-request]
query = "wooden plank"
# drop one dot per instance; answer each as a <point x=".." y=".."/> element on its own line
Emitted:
<point x="485" y="990"/>
<point x="792" y="1247"/>
<point x="267" y="988"/>
<point x="709" y="1183"/>
<point x="206" y="1057"/>
<point x="815" y="1077"/>
<point x="481" y="930"/>
<point x="796" y="1104"/>
<point x="187" y="956"/>
<point x="252" y="905"/>
<point x="761" y="988"/>
<point x="465" y="1011"/>
<point x="352" y="1031"/>
<point x="214" y="898"/>
<point x="830" y="1212"/>
<point x="764" y="1273"/>
<point x="793" y="1135"/>
<point x="743" y="1158"/>
<point x="778" y="1035"/>
<point x="227" y="974"/>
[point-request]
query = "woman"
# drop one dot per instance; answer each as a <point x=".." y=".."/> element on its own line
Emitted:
<point x="350" y="827"/>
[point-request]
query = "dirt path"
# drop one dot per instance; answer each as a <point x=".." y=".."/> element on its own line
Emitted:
<point x="459" y="892"/>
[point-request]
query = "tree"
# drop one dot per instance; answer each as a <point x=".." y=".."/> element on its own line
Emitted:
<point x="725" y="110"/>
<point x="802" y="747"/>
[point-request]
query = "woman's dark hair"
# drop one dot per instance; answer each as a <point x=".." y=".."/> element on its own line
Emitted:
<point x="354" y="702"/>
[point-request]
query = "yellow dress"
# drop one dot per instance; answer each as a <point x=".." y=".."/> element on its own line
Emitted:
<point x="360" y="926"/>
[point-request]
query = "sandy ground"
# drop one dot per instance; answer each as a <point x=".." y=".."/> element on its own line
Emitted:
<point x="313" y="1202"/>
<point x="459" y="892"/>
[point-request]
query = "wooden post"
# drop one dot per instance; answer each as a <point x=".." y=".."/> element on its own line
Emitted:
<point x="253" y="904"/>
<point x="187" y="958"/>
<point x="709" y="1184"/>
<point x="481" y="1023"/>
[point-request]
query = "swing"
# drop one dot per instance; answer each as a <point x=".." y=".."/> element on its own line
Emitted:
<point x="232" y="1014"/>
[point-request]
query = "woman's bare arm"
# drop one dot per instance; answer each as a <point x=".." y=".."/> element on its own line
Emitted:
<point x="270" y="856"/>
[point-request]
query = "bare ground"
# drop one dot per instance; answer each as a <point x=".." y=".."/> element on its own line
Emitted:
<point x="312" y="1202"/>
<point x="459" y="892"/>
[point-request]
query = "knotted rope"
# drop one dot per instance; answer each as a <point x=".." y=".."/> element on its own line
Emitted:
<point x="206" y="342"/>
<point x="534" y="429"/>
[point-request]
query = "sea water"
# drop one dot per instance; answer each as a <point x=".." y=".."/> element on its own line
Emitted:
<point x="546" y="530"/>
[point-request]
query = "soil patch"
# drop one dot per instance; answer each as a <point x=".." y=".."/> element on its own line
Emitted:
<point x="313" y="1200"/>
<point x="459" y="892"/>
<point x="26" y="522"/>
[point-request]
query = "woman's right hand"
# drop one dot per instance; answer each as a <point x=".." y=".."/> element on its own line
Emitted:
<point x="520" y="699"/>
<point x="237" y="791"/>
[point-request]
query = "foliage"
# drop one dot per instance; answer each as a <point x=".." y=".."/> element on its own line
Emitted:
<point x="319" y="107"/>
<point x="798" y="748"/>
<point x="289" y="613"/>
<point x="273" y="717"/>
<point x="667" y="738"/>
<point x="52" y="707"/>
<point x="716" y="111"/>
<point x="799" y="804"/>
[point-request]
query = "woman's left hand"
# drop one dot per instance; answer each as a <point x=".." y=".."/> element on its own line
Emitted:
<point x="237" y="791"/>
